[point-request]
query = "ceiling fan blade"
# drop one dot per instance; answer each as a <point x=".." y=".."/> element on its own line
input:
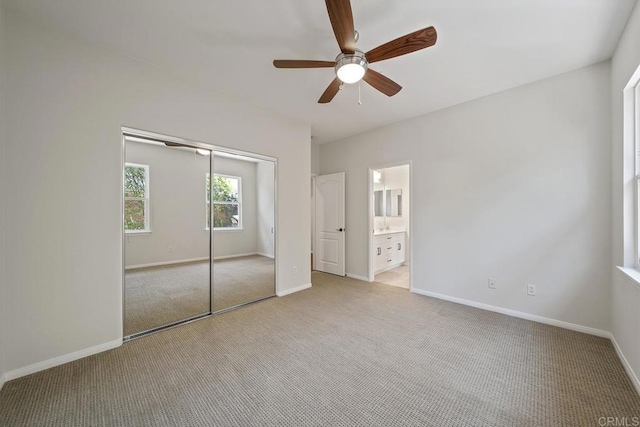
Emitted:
<point x="403" y="45"/>
<point x="295" y="63"/>
<point x="341" y="18"/>
<point x="382" y="83"/>
<point x="331" y="91"/>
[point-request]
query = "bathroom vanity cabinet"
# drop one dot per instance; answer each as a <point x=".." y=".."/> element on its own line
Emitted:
<point x="388" y="250"/>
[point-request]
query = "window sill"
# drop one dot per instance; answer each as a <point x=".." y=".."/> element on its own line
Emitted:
<point x="631" y="274"/>
<point x="227" y="229"/>
<point x="137" y="233"/>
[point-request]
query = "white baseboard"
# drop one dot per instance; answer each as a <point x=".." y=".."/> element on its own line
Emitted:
<point x="627" y="367"/>
<point x="294" y="290"/>
<point x="183" y="261"/>
<point x="234" y="256"/>
<point x="514" y="313"/>
<point x="41" y="366"/>
<point x="3" y="380"/>
<point x="355" y="276"/>
<point x="158" y="264"/>
<point x="265" y="255"/>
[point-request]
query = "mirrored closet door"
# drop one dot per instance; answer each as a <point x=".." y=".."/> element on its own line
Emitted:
<point x="199" y="231"/>
<point x="167" y="245"/>
<point x="243" y="203"/>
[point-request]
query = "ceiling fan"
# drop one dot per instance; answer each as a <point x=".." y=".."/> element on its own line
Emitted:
<point x="352" y="65"/>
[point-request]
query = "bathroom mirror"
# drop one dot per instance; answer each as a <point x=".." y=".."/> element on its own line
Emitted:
<point x="378" y="203"/>
<point x="394" y="202"/>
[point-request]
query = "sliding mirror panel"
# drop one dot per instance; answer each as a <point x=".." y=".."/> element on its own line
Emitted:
<point x="243" y="203"/>
<point x="167" y="239"/>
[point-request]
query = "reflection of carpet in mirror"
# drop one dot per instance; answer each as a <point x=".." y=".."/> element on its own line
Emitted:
<point x="156" y="296"/>
<point x="243" y="279"/>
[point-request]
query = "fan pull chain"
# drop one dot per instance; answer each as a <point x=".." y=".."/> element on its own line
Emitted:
<point x="359" y="99"/>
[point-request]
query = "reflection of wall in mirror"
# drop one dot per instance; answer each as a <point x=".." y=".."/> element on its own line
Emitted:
<point x="378" y="198"/>
<point x="178" y="208"/>
<point x="176" y="185"/>
<point x="378" y="203"/>
<point x="394" y="202"/>
<point x="265" y="178"/>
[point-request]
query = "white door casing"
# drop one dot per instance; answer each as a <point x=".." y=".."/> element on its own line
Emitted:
<point x="330" y="223"/>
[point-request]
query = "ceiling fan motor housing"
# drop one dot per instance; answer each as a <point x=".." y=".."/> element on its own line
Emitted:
<point x="356" y="60"/>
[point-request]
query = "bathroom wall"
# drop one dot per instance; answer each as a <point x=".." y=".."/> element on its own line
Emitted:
<point x="392" y="179"/>
<point x="398" y="178"/>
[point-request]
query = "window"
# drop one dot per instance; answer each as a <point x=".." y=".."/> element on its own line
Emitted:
<point x="631" y="177"/>
<point x="227" y="202"/>
<point x="136" y="198"/>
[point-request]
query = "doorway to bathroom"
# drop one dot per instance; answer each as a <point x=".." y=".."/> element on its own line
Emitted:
<point x="390" y="224"/>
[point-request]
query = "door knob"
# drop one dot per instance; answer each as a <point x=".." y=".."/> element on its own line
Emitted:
<point x="339" y="229"/>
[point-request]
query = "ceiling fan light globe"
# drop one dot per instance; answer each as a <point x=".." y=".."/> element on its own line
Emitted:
<point x="350" y="68"/>
<point x="350" y="73"/>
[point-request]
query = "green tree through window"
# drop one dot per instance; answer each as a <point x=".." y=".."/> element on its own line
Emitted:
<point x="226" y="201"/>
<point x="136" y="199"/>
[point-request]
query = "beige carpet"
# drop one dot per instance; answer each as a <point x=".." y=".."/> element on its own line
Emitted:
<point x="343" y="353"/>
<point x="157" y="296"/>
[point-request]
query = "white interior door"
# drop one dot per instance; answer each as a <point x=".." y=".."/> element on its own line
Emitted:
<point x="330" y="223"/>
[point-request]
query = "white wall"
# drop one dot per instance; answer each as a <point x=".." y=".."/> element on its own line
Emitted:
<point x="625" y="323"/>
<point x="3" y="196"/>
<point x="68" y="101"/>
<point x="178" y="210"/>
<point x="315" y="158"/>
<point x="514" y="186"/>
<point x="177" y="206"/>
<point x="315" y="170"/>
<point x="265" y="208"/>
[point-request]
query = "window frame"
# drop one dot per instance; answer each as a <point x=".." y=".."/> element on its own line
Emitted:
<point x="146" y="199"/>
<point x="211" y="203"/>
<point x="636" y="169"/>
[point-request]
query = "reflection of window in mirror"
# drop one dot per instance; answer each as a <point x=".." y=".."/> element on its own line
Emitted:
<point x="136" y="198"/>
<point x="394" y="202"/>
<point x="378" y="203"/>
<point x="227" y="202"/>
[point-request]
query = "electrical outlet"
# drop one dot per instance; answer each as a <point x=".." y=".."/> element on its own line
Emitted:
<point x="295" y="269"/>
<point x="492" y="283"/>
<point x="531" y="290"/>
